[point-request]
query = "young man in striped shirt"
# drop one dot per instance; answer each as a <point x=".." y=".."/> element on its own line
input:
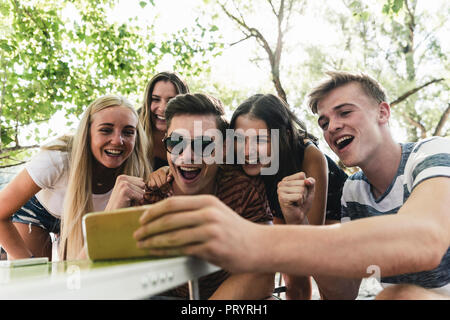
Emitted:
<point x="402" y="194"/>
<point x="404" y="185"/>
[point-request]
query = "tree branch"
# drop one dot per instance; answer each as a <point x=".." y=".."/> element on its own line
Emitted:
<point x="12" y="165"/>
<point x="417" y="124"/>
<point x="240" y="22"/>
<point x="239" y="41"/>
<point x="442" y="121"/>
<point x="279" y="46"/>
<point x="273" y="55"/>
<point x="10" y="149"/>
<point x="412" y="91"/>
<point x="238" y="11"/>
<point x="289" y="12"/>
<point x="273" y="7"/>
<point x="411" y="14"/>
<point x="43" y="28"/>
<point x="27" y="124"/>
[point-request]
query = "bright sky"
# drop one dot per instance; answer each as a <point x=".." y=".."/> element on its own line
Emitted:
<point x="234" y="65"/>
<point x="170" y="16"/>
<point x="173" y="15"/>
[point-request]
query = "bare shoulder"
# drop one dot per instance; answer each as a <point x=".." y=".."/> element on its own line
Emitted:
<point x="314" y="157"/>
<point x="21" y="182"/>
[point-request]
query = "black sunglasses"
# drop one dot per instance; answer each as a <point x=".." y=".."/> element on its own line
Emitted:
<point x="176" y="144"/>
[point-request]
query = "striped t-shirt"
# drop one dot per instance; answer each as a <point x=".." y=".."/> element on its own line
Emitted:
<point x="420" y="161"/>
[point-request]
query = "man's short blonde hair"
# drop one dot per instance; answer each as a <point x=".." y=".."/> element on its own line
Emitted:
<point x="337" y="79"/>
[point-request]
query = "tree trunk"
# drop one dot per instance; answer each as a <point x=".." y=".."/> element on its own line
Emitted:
<point x="274" y="55"/>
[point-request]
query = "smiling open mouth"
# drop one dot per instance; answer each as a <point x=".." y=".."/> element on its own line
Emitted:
<point x="114" y="153"/>
<point x="189" y="173"/>
<point x="162" y="118"/>
<point x="343" y="142"/>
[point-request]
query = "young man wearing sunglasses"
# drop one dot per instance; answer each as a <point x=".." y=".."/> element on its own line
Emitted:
<point x="195" y="142"/>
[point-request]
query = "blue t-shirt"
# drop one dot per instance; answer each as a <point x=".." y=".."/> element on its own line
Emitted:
<point x="420" y="161"/>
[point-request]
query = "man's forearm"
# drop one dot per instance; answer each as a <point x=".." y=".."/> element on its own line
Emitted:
<point x="348" y="250"/>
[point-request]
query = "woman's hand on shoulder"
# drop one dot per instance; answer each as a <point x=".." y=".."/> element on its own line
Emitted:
<point x="295" y="194"/>
<point x="127" y="191"/>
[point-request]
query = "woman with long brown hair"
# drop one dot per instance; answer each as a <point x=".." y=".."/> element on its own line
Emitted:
<point x="160" y="89"/>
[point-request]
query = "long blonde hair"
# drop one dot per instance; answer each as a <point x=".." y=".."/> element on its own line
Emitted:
<point x="78" y="199"/>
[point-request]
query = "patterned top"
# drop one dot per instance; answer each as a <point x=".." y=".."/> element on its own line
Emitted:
<point x="420" y="161"/>
<point x="243" y="194"/>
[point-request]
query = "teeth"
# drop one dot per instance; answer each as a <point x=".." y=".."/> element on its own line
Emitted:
<point x="343" y="139"/>
<point x="115" y="152"/>
<point x="160" y="117"/>
<point x="189" y="169"/>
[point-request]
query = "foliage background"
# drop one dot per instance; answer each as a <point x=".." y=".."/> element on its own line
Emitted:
<point x="56" y="56"/>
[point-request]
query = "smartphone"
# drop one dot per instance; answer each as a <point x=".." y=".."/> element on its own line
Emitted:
<point x="109" y="234"/>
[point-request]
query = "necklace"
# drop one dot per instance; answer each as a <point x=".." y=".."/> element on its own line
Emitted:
<point x="101" y="183"/>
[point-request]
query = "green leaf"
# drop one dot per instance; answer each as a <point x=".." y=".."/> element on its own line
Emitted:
<point x="392" y="6"/>
<point x="397" y="6"/>
<point x="6" y="138"/>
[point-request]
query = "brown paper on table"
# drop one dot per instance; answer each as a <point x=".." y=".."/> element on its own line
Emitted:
<point x="109" y="234"/>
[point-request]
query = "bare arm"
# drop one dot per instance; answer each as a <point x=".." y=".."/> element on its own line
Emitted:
<point x="12" y="198"/>
<point x="315" y="165"/>
<point x="245" y="286"/>
<point x="389" y="242"/>
<point x="337" y="288"/>
<point x="294" y="188"/>
<point x="207" y="229"/>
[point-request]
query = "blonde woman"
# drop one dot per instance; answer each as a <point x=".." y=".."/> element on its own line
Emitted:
<point x="109" y="156"/>
<point x="31" y="205"/>
<point x="160" y="89"/>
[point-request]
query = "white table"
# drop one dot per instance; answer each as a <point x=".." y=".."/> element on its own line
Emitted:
<point x="125" y="279"/>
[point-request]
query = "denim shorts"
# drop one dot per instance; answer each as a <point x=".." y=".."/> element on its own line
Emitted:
<point x="35" y="214"/>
